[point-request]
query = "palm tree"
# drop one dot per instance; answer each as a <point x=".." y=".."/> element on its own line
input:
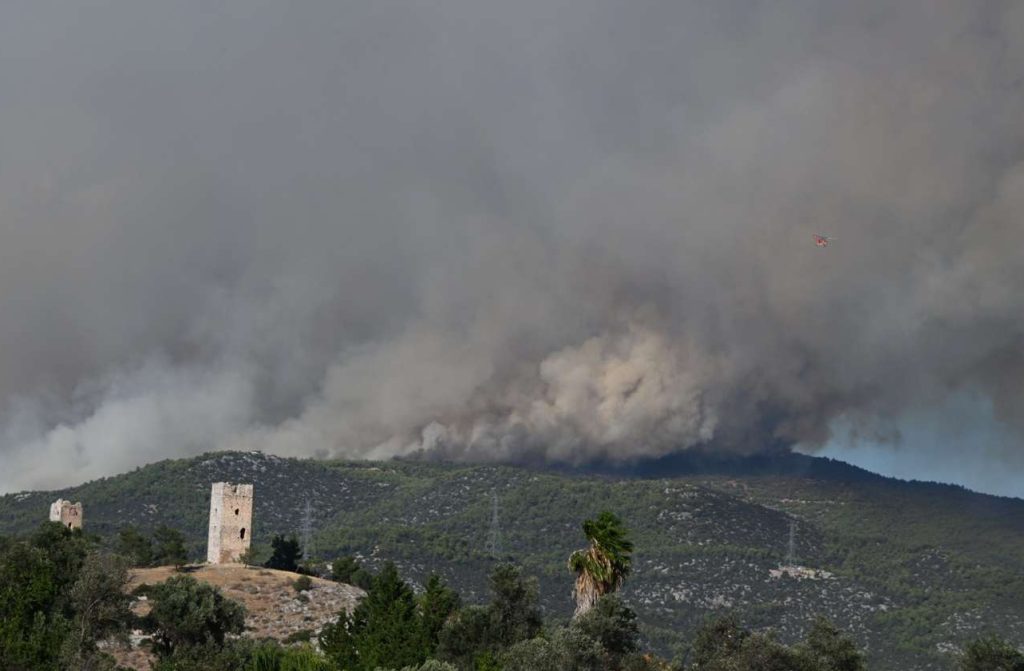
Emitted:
<point x="601" y="568"/>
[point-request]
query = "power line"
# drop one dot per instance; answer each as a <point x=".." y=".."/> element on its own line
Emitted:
<point x="790" y="553"/>
<point x="307" y="531"/>
<point x="494" y="535"/>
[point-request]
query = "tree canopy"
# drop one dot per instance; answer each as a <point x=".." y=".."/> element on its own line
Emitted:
<point x="286" y="553"/>
<point x="187" y="613"/>
<point x="59" y="596"/>
<point x="991" y="653"/>
<point x="384" y="630"/>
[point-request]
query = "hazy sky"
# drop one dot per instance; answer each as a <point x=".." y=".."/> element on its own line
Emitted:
<point x="544" y="229"/>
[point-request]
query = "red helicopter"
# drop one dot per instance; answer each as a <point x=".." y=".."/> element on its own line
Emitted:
<point x="822" y="240"/>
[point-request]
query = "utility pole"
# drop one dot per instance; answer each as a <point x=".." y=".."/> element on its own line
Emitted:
<point x="307" y="531"/>
<point x="790" y="554"/>
<point x="494" y="535"/>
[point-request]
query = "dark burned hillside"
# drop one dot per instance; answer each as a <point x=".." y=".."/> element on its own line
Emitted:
<point x="910" y="569"/>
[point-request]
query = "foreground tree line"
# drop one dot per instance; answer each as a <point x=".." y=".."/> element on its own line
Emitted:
<point x="63" y="602"/>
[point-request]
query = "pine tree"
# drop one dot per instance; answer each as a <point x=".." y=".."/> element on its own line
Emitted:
<point x="286" y="553"/>
<point x="384" y="630"/>
<point x="436" y="605"/>
<point x="135" y="546"/>
<point x="169" y="547"/>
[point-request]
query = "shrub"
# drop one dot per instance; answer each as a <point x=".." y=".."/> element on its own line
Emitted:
<point x="348" y="570"/>
<point x="991" y="654"/>
<point x="300" y="636"/>
<point x="188" y="613"/>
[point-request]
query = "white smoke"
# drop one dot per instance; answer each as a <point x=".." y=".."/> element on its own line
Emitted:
<point x="137" y="417"/>
<point x="633" y="392"/>
<point x="549" y="229"/>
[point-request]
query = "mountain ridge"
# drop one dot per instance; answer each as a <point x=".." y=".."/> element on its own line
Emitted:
<point x="910" y="569"/>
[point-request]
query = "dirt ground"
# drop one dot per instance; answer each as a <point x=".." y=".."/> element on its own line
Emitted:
<point x="273" y="608"/>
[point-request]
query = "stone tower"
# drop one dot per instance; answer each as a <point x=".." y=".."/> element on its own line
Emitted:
<point x="67" y="513"/>
<point x="230" y="522"/>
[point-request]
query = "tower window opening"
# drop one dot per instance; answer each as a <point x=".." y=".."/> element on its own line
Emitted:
<point x="236" y="511"/>
<point x="241" y="534"/>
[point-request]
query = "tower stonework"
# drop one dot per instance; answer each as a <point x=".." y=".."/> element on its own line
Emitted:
<point x="67" y="513"/>
<point x="230" y="522"/>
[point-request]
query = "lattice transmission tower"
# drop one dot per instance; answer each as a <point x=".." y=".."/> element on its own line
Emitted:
<point x="307" y="531"/>
<point x="791" y="550"/>
<point x="494" y="534"/>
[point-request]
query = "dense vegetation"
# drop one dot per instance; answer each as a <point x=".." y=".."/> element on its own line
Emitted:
<point x="58" y="599"/>
<point x="63" y="602"/>
<point x="165" y="547"/>
<point x="911" y="571"/>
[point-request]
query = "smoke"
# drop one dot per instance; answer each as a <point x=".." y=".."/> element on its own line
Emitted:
<point x="632" y="394"/>
<point x="551" y="229"/>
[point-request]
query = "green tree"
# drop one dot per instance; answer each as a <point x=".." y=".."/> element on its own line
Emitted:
<point x="232" y="655"/>
<point x="101" y="611"/>
<point x="135" y="546"/>
<point x="348" y="570"/>
<point x="303" y="583"/>
<point x="286" y="553"/>
<point x="31" y="628"/>
<point x="66" y="550"/>
<point x="187" y="613"/>
<point x="613" y="626"/>
<point x="763" y="653"/>
<point x="991" y="654"/>
<point x="338" y="642"/>
<point x="383" y="631"/>
<point x="514" y="611"/>
<point x="722" y="644"/>
<point x="606" y="562"/>
<point x="169" y="547"/>
<point x="828" y="649"/>
<point x="605" y="638"/>
<point x="467" y="637"/>
<point x="56" y="601"/>
<point x="567" y="649"/>
<point x="476" y="634"/>
<point x="436" y="605"/>
<point x="270" y="656"/>
<point x="431" y="665"/>
<point x="717" y="638"/>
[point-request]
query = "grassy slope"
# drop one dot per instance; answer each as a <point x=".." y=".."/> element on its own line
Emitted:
<point x="916" y="566"/>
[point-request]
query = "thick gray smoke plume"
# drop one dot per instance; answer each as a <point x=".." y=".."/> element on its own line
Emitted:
<point x="559" y="229"/>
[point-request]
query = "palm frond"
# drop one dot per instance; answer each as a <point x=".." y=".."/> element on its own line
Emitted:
<point x="606" y="562"/>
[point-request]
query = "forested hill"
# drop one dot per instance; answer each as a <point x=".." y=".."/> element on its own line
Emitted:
<point x="912" y="570"/>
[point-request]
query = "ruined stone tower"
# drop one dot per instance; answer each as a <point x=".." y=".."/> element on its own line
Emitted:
<point x="230" y="522"/>
<point x="67" y="513"/>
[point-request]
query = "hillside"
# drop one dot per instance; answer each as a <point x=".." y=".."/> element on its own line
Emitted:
<point x="910" y="569"/>
<point x="274" y="609"/>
